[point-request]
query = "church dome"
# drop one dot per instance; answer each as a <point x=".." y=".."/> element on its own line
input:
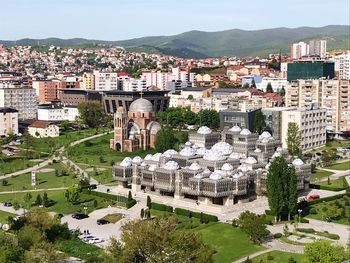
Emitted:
<point x="141" y="105"/>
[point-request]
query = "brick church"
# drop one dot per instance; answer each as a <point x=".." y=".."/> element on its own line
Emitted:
<point x="136" y="129"/>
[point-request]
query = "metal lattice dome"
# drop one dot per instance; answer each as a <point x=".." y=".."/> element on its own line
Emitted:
<point x="141" y="105"/>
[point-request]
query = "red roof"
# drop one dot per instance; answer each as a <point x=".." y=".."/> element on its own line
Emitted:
<point x="40" y="124"/>
<point x="122" y="74"/>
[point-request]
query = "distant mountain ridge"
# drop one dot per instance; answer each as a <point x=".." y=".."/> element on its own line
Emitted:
<point x="200" y="44"/>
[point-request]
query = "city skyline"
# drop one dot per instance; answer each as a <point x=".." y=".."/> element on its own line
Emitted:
<point x="102" y="20"/>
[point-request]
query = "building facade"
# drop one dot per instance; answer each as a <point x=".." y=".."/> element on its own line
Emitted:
<point x="242" y="119"/>
<point x="310" y="69"/>
<point x="43" y="129"/>
<point x="8" y="121"/>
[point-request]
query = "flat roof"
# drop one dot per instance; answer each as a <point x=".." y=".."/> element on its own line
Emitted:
<point x="7" y="110"/>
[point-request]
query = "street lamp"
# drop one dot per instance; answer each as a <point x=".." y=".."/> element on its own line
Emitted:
<point x="299" y="211"/>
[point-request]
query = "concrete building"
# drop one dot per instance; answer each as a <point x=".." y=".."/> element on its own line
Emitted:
<point x="301" y="93"/>
<point x="130" y="84"/>
<point x="318" y="47"/>
<point x="105" y="80"/>
<point x="43" y="129"/>
<point x="117" y="98"/>
<point x="217" y="175"/>
<point x="299" y="50"/>
<point x="54" y="113"/>
<point x="72" y="97"/>
<point x="87" y="81"/>
<point x="242" y="119"/>
<point x="15" y="93"/>
<point x="46" y="90"/>
<point x="343" y="65"/>
<point x="276" y="83"/>
<point x="312" y="125"/>
<point x="8" y="121"/>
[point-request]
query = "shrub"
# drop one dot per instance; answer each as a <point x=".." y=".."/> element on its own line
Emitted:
<point x="306" y="230"/>
<point x="4" y="182"/>
<point x="277" y="235"/>
<point x="304" y="220"/>
<point x="161" y="207"/>
<point x="270" y="257"/>
<point x="268" y="212"/>
<point x="205" y="217"/>
<point x="313" y="211"/>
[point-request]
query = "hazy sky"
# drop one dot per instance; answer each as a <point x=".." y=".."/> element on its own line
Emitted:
<point x="123" y="19"/>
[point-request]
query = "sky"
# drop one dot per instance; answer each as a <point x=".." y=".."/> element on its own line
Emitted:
<point x="125" y="19"/>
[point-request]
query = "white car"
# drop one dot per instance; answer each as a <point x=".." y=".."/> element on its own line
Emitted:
<point x="87" y="238"/>
<point x="95" y="240"/>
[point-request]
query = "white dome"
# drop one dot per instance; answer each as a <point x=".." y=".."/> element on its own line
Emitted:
<point x="194" y="166"/>
<point x="156" y="157"/>
<point x="265" y="135"/>
<point x="152" y="167"/>
<point x="257" y="150"/>
<point x="217" y="175"/>
<point x="141" y="105"/>
<point x="276" y="154"/>
<point x="244" y="168"/>
<point x="227" y="167"/>
<point x="235" y="129"/>
<point x="201" y="175"/>
<point x="204" y="130"/>
<point x="201" y="151"/>
<point x="223" y="147"/>
<point x="245" y="132"/>
<point x="171" y="165"/>
<point x="148" y="157"/>
<point x="250" y="160"/>
<point x="169" y="153"/>
<point x="188" y="143"/>
<point x="279" y="149"/>
<point x="187" y="151"/>
<point x="137" y="160"/>
<point x="127" y="162"/>
<point x="143" y="164"/>
<point x="234" y="155"/>
<point x="267" y="166"/>
<point x="297" y="162"/>
<point x="214" y="155"/>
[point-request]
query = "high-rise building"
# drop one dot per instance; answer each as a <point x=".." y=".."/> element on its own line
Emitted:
<point x="15" y="93"/>
<point x="299" y="50"/>
<point x="318" y="47"/>
<point x="46" y="90"/>
<point x="8" y="121"/>
<point x="87" y="81"/>
<point x="310" y="69"/>
<point x="342" y="63"/>
<point x="105" y="81"/>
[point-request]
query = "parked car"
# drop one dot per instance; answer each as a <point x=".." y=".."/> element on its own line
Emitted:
<point x="95" y="240"/>
<point x="7" y="204"/>
<point x="102" y="221"/>
<point x="313" y="197"/>
<point x="87" y="238"/>
<point x="78" y="215"/>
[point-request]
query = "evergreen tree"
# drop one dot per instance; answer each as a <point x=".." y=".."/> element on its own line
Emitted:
<point x="129" y="196"/>
<point x="142" y="213"/>
<point x="253" y="85"/>
<point x="259" y="122"/>
<point x="269" y="87"/>
<point x="292" y="191"/>
<point x="149" y="202"/>
<point x="46" y="200"/>
<point x="38" y="200"/>
<point x="282" y="92"/>
<point x="293" y="139"/>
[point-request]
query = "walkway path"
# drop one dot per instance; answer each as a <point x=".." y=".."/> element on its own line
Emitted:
<point x="33" y="190"/>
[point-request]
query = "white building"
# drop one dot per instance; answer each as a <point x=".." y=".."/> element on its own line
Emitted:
<point x="342" y="65"/>
<point x="276" y="83"/>
<point x="57" y="113"/>
<point x="299" y="50"/>
<point x="17" y="95"/>
<point x="312" y="125"/>
<point x="130" y="84"/>
<point x="105" y="81"/>
<point x="318" y="47"/>
<point x="43" y="129"/>
<point x="8" y="121"/>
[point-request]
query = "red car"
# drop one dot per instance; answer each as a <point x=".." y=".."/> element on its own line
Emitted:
<point x="313" y="197"/>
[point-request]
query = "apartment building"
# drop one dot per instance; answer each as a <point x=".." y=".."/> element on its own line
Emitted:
<point x="8" y="121"/>
<point x="302" y="92"/>
<point x="312" y="125"/>
<point x="105" y="80"/>
<point x="343" y="65"/>
<point x="299" y="50"/>
<point x="87" y="81"/>
<point x="46" y="90"/>
<point x="15" y="93"/>
<point x="318" y="47"/>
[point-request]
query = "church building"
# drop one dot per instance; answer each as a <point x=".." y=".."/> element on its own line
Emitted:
<point x="136" y="129"/>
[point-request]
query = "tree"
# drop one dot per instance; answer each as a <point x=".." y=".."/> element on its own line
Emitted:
<point x="190" y="97"/>
<point x="46" y="200"/>
<point x="331" y="211"/>
<point x="292" y="260"/>
<point x="259" y="122"/>
<point x="252" y="84"/>
<point x="253" y="225"/>
<point x="65" y="125"/>
<point x="149" y="202"/>
<point x="328" y="157"/>
<point x="38" y="200"/>
<point x="293" y="139"/>
<point x="43" y="252"/>
<point x="281" y="188"/>
<point x="282" y="92"/>
<point x="91" y="114"/>
<point x="142" y="213"/>
<point x="72" y="194"/>
<point x="165" y="139"/>
<point x="10" y="251"/>
<point x="285" y="230"/>
<point x="269" y="87"/>
<point x="324" y="252"/>
<point x="155" y="240"/>
<point x="129" y="196"/>
<point x="27" y="200"/>
<point x="208" y="118"/>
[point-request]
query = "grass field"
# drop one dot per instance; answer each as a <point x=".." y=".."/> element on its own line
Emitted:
<point x="320" y="174"/>
<point x="337" y="183"/>
<point x="278" y="257"/>
<point x="4" y="215"/>
<point x="229" y="243"/>
<point x="113" y="218"/>
<point x="77" y="248"/>
<point x="44" y="180"/>
<point x="340" y="166"/>
<point x="60" y="205"/>
<point x="12" y="164"/>
<point x="90" y="153"/>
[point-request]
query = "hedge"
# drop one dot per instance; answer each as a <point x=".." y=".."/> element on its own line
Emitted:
<point x="118" y="198"/>
<point x="329" y="198"/>
<point x="205" y="217"/>
<point x="161" y="207"/>
<point x="306" y="230"/>
<point x="277" y="235"/>
<point x="326" y="187"/>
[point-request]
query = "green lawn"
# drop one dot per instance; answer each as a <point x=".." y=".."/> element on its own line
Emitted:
<point x="44" y="180"/>
<point x="77" y="248"/>
<point x="337" y="183"/>
<point x="4" y="215"/>
<point x="340" y="166"/>
<point x="332" y="145"/>
<point x="60" y="204"/>
<point x="90" y="152"/>
<point x="229" y="243"/>
<point x="319" y="174"/>
<point x="278" y="257"/>
<point x="12" y="164"/>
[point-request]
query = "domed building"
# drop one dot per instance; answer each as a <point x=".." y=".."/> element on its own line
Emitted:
<point x="135" y="129"/>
